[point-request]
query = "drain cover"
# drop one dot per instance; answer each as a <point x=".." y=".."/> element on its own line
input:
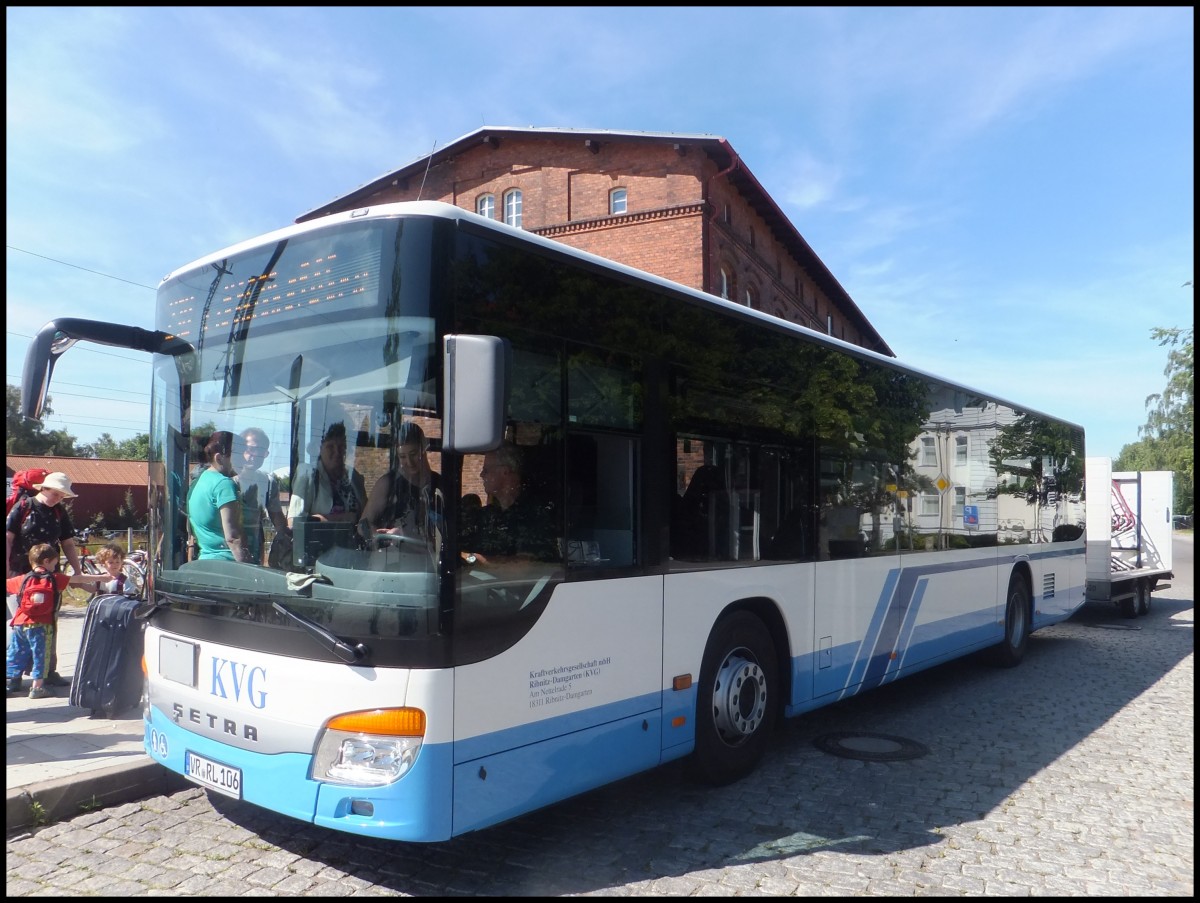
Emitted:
<point x="870" y="747"/>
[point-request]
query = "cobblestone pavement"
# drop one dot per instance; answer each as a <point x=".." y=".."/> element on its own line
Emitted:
<point x="1071" y="775"/>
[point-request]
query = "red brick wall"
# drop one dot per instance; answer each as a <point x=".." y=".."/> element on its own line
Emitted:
<point x="565" y="196"/>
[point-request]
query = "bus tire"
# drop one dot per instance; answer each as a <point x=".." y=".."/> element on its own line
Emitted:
<point x="736" y="701"/>
<point x="1142" y="594"/>
<point x="1012" y="648"/>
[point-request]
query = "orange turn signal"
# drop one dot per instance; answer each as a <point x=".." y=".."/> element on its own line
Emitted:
<point x="403" y="722"/>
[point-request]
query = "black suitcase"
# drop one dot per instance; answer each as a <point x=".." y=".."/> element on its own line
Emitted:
<point x="108" y="673"/>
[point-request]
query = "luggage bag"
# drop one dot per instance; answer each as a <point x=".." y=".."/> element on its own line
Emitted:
<point x="108" y="673"/>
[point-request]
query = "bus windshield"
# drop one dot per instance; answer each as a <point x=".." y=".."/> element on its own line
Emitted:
<point x="314" y="352"/>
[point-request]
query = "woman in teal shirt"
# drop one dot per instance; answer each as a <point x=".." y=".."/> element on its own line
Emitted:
<point x="214" y="509"/>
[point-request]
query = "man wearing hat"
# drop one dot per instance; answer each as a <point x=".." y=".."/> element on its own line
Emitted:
<point x="37" y="519"/>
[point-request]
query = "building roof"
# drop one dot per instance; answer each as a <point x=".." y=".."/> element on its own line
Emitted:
<point x="85" y="471"/>
<point x="719" y="150"/>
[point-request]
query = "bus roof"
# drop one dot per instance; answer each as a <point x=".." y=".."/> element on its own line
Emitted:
<point x="442" y="210"/>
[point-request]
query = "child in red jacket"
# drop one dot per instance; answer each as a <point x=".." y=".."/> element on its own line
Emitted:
<point x="31" y="625"/>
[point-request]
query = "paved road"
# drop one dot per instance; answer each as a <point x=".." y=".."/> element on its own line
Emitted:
<point x="1072" y="775"/>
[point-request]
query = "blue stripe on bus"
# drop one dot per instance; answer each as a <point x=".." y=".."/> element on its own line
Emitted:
<point x="471" y="748"/>
<point x="876" y="626"/>
<point x="518" y="780"/>
<point x="908" y="627"/>
<point x="412" y="808"/>
<point x="279" y="782"/>
<point x="893" y="626"/>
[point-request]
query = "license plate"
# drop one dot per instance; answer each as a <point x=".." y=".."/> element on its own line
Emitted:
<point x="177" y="660"/>
<point x="213" y="775"/>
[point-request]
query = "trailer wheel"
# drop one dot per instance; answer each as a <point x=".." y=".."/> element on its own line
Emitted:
<point x="1128" y="605"/>
<point x="1142" y="595"/>
<point x="735" y="701"/>
<point x="1012" y="648"/>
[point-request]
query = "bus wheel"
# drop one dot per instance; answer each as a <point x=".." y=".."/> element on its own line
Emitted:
<point x="1016" y="625"/>
<point x="735" y="704"/>
<point x="1142" y="594"/>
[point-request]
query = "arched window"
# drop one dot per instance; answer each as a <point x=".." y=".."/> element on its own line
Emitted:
<point x="723" y="283"/>
<point x="617" y="201"/>
<point x="749" y="298"/>
<point x="485" y="205"/>
<point x="512" y="208"/>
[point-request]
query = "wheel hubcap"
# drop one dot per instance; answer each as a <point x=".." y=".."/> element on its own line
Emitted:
<point x="739" y="698"/>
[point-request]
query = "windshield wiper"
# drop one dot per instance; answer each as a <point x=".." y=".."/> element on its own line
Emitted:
<point x="357" y="654"/>
<point x="187" y="599"/>
<point x="352" y="655"/>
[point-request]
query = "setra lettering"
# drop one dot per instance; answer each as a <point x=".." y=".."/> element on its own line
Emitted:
<point x="226" y="725"/>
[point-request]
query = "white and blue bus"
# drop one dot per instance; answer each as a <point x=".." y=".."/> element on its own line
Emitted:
<point x="747" y="521"/>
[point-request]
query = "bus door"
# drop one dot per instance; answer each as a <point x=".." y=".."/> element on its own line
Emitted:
<point x="861" y="620"/>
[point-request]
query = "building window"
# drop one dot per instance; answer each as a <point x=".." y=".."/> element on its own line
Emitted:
<point x="928" y="452"/>
<point x="485" y="205"/>
<point x="960" y="500"/>
<point x="727" y="215"/>
<point x="750" y="298"/>
<point x="931" y="504"/>
<point x="752" y="238"/>
<point x="512" y="208"/>
<point x="617" y="199"/>
<point x="724" y="284"/>
<point x="960" y="449"/>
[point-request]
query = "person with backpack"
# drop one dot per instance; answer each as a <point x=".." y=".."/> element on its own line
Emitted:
<point x="39" y="594"/>
<point x="22" y="484"/>
<point x="42" y="518"/>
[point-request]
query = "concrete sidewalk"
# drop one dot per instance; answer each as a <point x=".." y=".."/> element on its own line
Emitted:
<point x="60" y="761"/>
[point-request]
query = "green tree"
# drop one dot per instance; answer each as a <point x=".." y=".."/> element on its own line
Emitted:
<point x="1169" y="436"/>
<point x="25" y="437"/>
<point x="108" y="448"/>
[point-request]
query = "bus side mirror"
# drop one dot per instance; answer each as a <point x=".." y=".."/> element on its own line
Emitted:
<point x="35" y="376"/>
<point x="475" y="372"/>
<point x="53" y="340"/>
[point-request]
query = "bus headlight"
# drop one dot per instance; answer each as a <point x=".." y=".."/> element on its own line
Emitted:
<point x="369" y="748"/>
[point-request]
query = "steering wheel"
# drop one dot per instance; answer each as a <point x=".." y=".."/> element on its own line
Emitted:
<point x="398" y="539"/>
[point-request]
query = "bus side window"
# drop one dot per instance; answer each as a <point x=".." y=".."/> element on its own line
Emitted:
<point x="601" y="511"/>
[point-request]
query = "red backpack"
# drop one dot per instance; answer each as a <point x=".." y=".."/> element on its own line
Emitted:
<point x="42" y="611"/>
<point x="23" y="482"/>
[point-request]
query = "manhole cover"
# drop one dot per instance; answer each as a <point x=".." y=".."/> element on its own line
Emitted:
<point x="870" y="747"/>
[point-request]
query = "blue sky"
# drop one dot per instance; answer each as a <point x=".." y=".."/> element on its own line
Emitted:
<point x="1006" y="193"/>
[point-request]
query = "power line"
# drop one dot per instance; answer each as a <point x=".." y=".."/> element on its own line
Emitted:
<point x="78" y="267"/>
<point x="16" y="381"/>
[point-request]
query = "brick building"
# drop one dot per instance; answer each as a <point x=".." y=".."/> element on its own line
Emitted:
<point x="684" y="207"/>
